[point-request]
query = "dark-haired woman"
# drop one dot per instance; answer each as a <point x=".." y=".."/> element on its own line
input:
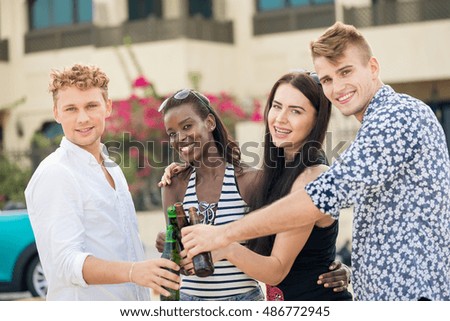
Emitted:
<point x="296" y="120"/>
<point x="200" y="138"/>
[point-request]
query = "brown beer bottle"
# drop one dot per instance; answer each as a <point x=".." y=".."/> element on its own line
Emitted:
<point x="203" y="264"/>
<point x="181" y="215"/>
<point x="171" y="253"/>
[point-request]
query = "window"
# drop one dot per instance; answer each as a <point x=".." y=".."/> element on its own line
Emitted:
<point x="298" y="3"/>
<point x="55" y="13"/>
<point x="269" y="5"/>
<point x="141" y="9"/>
<point x="200" y="7"/>
<point x="323" y="1"/>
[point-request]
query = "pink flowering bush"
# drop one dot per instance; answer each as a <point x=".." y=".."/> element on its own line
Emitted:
<point x="137" y="140"/>
<point x="257" y="114"/>
<point x="141" y="82"/>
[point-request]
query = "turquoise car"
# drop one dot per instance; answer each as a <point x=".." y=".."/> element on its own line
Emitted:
<point x="20" y="269"/>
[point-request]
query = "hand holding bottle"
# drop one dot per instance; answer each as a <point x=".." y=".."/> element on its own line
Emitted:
<point x="171" y="253"/>
<point x="187" y="266"/>
<point x="161" y="275"/>
<point x="203" y="265"/>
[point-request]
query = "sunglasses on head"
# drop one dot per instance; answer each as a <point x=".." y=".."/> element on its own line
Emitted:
<point x="312" y="74"/>
<point x="183" y="94"/>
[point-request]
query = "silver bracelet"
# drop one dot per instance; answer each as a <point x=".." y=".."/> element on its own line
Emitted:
<point x="131" y="272"/>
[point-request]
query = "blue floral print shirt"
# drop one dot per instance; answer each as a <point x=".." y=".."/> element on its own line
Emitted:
<point x="396" y="174"/>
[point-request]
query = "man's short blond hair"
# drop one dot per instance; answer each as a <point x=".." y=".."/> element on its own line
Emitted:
<point x="81" y="76"/>
<point x="336" y="39"/>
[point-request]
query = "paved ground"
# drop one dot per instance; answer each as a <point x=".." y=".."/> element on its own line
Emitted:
<point x="150" y="223"/>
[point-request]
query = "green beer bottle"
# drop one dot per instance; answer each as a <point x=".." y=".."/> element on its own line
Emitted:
<point x="171" y="253"/>
<point x="172" y="218"/>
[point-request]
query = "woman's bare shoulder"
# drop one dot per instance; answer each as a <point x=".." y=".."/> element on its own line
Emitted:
<point x="247" y="181"/>
<point x="312" y="172"/>
<point x="308" y="175"/>
<point x="175" y="191"/>
<point x="247" y="173"/>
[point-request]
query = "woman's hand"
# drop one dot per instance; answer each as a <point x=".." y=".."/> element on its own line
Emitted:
<point x="338" y="278"/>
<point x="187" y="267"/>
<point x="160" y="240"/>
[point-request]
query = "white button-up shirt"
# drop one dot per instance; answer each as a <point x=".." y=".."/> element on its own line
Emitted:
<point x="74" y="213"/>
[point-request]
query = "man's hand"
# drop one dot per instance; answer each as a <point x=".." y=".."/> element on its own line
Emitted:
<point x="338" y="278"/>
<point x="155" y="274"/>
<point x="203" y="238"/>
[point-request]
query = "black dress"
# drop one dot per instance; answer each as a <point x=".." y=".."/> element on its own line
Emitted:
<point x="314" y="259"/>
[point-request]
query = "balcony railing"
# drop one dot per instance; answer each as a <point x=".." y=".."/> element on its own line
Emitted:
<point x="59" y="38"/>
<point x="394" y="12"/>
<point x="293" y="19"/>
<point x="147" y="30"/>
<point x="4" y="56"/>
<point x="154" y="29"/>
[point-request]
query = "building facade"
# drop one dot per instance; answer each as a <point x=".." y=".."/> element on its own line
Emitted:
<point x="238" y="46"/>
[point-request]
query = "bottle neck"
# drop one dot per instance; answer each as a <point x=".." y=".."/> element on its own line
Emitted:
<point x="170" y="237"/>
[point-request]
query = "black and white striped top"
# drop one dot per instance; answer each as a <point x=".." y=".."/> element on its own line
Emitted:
<point x="227" y="279"/>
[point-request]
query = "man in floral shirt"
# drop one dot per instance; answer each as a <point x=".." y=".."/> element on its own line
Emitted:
<point x="396" y="174"/>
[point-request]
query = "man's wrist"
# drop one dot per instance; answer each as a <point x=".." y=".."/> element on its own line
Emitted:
<point x="227" y="235"/>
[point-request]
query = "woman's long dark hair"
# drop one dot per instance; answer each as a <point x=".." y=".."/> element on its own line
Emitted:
<point x="278" y="175"/>
<point x="226" y="145"/>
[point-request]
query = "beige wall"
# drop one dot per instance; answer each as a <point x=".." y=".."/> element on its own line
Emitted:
<point x="247" y="68"/>
<point x="412" y="52"/>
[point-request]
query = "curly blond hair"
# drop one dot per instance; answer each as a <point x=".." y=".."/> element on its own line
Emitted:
<point x="81" y="76"/>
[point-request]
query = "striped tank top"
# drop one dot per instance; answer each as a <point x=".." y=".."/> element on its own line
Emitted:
<point x="227" y="279"/>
